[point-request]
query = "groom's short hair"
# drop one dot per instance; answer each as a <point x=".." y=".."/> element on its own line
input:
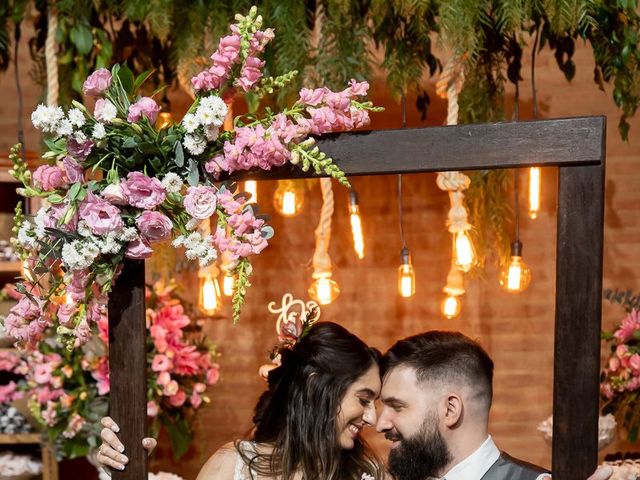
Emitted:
<point x="444" y="357"/>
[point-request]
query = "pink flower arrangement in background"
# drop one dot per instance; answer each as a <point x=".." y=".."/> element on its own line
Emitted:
<point x="68" y="391"/>
<point x="620" y="378"/>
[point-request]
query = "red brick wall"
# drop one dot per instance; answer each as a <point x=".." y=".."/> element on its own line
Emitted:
<point x="516" y="330"/>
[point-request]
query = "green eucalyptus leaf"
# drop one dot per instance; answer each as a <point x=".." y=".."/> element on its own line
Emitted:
<point x="81" y="38"/>
<point x="193" y="177"/>
<point x="179" y="154"/>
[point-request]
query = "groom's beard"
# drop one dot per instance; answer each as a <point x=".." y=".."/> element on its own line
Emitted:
<point x="423" y="455"/>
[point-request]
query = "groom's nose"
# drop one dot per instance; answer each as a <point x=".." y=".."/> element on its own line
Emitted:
<point x="384" y="422"/>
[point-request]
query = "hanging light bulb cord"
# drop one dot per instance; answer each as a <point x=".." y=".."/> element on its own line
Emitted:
<point x="400" y="208"/>
<point x="516" y="204"/>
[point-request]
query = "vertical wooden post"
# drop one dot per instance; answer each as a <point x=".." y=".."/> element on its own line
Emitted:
<point x="577" y="327"/>
<point x="128" y="366"/>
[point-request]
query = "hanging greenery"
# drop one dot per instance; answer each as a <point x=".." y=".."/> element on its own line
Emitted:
<point x="333" y="40"/>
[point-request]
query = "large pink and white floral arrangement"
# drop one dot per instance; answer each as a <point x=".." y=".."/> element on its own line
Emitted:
<point x="68" y="389"/>
<point x="620" y="378"/>
<point x="116" y="184"/>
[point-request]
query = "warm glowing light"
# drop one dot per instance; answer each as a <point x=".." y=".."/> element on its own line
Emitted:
<point x="406" y="275"/>
<point x="356" y="231"/>
<point x="534" y="191"/>
<point x="164" y="120"/>
<point x="209" y="299"/>
<point x="451" y="306"/>
<point x="464" y="255"/>
<point x="288" y="199"/>
<point x="515" y="277"/>
<point x="228" y="284"/>
<point x="324" y="290"/>
<point x="251" y="186"/>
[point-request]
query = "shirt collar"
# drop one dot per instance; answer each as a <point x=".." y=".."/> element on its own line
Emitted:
<point x="476" y="464"/>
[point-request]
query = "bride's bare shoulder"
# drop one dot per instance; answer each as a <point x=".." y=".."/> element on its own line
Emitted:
<point x="221" y="465"/>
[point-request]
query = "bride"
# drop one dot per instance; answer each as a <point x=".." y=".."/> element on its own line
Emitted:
<point x="307" y="423"/>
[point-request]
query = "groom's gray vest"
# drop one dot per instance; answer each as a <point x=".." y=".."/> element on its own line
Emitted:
<point x="507" y="467"/>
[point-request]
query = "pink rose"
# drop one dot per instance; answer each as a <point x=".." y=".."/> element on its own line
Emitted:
<point x="195" y="400"/>
<point x="142" y="191"/>
<point x="146" y="107"/>
<point x="113" y="194"/>
<point x="97" y="82"/>
<point x="49" y="177"/>
<point x="100" y="216"/>
<point x="634" y="362"/>
<point x="200" y="202"/>
<point x="178" y="399"/>
<point x="138" y="250"/>
<point x="171" y="388"/>
<point x="154" y="226"/>
<point x="199" y="387"/>
<point x="163" y="379"/>
<point x="152" y="409"/>
<point x="213" y="375"/>
<point x="160" y="363"/>
<point x="42" y="373"/>
<point x="72" y="169"/>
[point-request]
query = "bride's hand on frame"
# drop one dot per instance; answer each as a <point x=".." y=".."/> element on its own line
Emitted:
<point x="111" y="451"/>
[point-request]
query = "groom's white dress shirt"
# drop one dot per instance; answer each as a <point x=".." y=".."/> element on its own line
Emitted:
<point x="478" y="463"/>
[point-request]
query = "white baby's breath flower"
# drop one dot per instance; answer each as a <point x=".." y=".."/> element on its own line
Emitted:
<point x="24" y="238"/>
<point x="195" y="144"/>
<point x="83" y="229"/>
<point x="190" y="122"/>
<point x="79" y="255"/>
<point x="129" y="234"/>
<point x="99" y="132"/>
<point x="76" y="117"/>
<point x="46" y="118"/>
<point x="217" y="107"/>
<point x="172" y="182"/>
<point x="80" y="137"/>
<point x="193" y="240"/>
<point x="65" y="128"/>
<point x="209" y="257"/>
<point x="192" y="224"/>
<point x="178" y="241"/>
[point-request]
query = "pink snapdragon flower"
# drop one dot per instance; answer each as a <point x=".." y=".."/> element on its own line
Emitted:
<point x="251" y="72"/>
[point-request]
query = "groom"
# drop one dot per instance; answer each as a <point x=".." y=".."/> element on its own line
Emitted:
<point x="436" y="394"/>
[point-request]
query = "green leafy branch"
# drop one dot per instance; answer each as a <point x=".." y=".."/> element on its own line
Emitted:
<point x="243" y="271"/>
<point x="321" y="163"/>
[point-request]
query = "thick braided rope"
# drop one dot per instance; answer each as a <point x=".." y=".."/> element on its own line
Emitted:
<point x="51" y="57"/>
<point x="321" y="260"/>
<point x="449" y="86"/>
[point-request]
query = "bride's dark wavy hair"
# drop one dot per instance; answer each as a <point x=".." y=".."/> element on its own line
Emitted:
<point x="298" y="412"/>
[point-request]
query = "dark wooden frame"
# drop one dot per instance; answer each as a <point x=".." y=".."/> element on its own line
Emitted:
<point x="575" y="145"/>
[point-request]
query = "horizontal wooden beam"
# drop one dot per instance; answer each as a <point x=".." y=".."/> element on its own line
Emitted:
<point x="565" y="141"/>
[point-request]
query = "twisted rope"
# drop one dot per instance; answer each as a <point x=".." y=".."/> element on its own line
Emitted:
<point x="449" y="86"/>
<point x="51" y="57"/>
<point x="321" y="260"/>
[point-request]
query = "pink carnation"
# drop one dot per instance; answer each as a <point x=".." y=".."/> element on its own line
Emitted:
<point x="142" y="191"/>
<point x="145" y="107"/>
<point x="178" y="399"/>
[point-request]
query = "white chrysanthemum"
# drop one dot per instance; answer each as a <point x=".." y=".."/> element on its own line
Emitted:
<point x="211" y="132"/>
<point x="99" y="132"/>
<point x="190" y="254"/>
<point x="129" y="234"/>
<point x="217" y="106"/>
<point x="190" y="122"/>
<point x="83" y="229"/>
<point x="108" y="112"/>
<point x="209" y="257"/>
<point x="65" y="128"/>
<point x="76" y="117"/>
<point x="46" y="118"/>
<point x="172" y="182"/>
<point x="40" y="217"/>
<point x="109" y="244"/>
<point x="195" y="144"/>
